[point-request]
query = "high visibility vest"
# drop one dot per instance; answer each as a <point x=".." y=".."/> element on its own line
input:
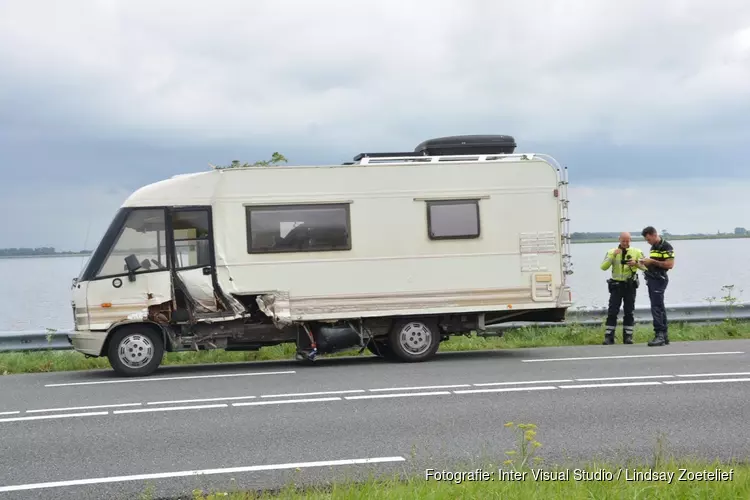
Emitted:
<point x="621" y="271"/>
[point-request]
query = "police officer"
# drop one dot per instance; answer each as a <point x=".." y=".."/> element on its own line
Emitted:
<point x="659" y="261"/>
<point x="623" y="284"/>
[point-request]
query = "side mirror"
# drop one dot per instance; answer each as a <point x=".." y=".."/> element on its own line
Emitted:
<point x="132" y="265"/>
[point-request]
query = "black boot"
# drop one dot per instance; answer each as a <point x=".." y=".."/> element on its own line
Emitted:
<point x="658" y="340"/>
<point x="666" y="339"/>
<point x="609" y="337"/>
<point x="627" y="335"/>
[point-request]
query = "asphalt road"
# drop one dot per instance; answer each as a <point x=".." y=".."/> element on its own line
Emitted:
<point x="262" y="425"/>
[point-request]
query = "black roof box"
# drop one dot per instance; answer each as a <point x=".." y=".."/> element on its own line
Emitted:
<point x="468" y="145"/>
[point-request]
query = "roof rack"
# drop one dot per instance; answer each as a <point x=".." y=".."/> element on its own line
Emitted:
<point x="384" y="158"/>
<point x="453" y="148"/>
<point x="387" y="155"/>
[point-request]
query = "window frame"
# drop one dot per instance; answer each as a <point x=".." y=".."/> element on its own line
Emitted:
<point x="112" y="238"/>
<point x="346" y="206"/>
<point x="208" y="238"/>
<point x="464" y="201"/>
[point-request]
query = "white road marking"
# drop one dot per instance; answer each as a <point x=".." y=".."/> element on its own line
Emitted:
<point x="321" y="393"/>
<point x="204" y="472"/>
<point x="402" y="395"/>
<point x="643" y="377"/>
<point x="207" y="400"/>
<point x="420" y="388"/>
<point x="99" y="407"/>
<point x="284" y="401"/>
<point x="488" y="384"/>
<point x="159" y="379"/>
<point x="633" y="356"/>
<point x="508" y="389"/>
<point x="50" y="417"/>
<point x="624" y="384"/>
<point x="707" y="381"/>
<point x="388" y="389"/>
<point x="170" y="408"/>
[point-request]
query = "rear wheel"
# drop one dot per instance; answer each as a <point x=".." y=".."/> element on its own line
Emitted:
<point x="414" y="339"/>
<point x="135" y="350"/>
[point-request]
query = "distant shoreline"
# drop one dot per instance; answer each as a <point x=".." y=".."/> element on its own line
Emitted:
<point x="573" y="242"/>
<point x="672" y="238"/>
<point x="45" y="256"/>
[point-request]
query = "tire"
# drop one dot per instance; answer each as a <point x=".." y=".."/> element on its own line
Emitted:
<point x="135" y="350"/>
<point x="414" y="340"/>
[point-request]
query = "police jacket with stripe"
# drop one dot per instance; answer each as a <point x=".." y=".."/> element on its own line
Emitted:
<point x="660" y="251"/>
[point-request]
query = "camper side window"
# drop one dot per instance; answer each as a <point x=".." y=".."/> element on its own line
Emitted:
<point x="190" y="231"/>
<point x="453" y="219"/>
<point x="298" y="228"/>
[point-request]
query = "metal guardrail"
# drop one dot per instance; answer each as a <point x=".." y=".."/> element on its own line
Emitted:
<point x="686" y="313"/>
<point x="58" y="340"/>
<point x="34" y="341"/>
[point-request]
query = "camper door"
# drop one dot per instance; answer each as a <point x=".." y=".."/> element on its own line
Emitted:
<point x="192" y="246"/>
<point x="134" y="275"/>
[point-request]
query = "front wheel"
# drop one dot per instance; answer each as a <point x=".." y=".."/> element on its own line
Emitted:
<point x="135" y="350"/>
<point x="415" y="339"/>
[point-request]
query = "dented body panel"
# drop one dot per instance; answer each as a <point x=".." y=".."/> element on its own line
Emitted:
<point x="109" y="304"/>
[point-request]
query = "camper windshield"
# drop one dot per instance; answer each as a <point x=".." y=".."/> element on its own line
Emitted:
<point x="142" y="235"/>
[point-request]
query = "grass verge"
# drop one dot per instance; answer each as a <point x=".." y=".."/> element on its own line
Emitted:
<point x="572" y="335"/>
<point x="522" y="476"/>
<point x="530" y="487"/>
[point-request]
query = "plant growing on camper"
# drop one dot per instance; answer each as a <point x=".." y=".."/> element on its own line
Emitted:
<point x="276" y="158"/>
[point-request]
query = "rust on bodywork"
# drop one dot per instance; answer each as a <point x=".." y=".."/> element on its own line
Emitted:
<point x="160" y="313"/>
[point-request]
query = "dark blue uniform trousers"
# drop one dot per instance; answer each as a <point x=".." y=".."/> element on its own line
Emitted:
<point x="656" y="289"/>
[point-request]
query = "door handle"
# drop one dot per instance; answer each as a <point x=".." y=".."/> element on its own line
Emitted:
<point x="206" y="271"/>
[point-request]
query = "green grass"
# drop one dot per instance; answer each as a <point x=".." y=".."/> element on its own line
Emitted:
<point x="53" y="361"/>
<point x="737" y="487"/>
<point x="581" y="481"/>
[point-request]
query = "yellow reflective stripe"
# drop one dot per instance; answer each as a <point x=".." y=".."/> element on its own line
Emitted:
<point x="662" y="255"/>
<point x="622" y="272"/>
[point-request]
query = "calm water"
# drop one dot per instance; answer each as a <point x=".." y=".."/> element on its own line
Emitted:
<point x="34" y="293"/>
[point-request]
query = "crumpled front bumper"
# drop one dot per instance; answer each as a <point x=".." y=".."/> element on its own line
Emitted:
<point x="88" y="342"/>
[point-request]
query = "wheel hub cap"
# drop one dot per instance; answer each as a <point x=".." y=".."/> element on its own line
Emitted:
<point x="415" y="338"/>
<point x="135" y="350"/>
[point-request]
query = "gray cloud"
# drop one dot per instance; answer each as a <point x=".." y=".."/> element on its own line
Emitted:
<point x="113" y="95"/>
<point x="260" y="69"/>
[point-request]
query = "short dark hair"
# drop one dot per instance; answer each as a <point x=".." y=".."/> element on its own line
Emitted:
<point x="648" y="230"/>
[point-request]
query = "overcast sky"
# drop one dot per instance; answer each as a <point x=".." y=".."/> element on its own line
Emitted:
<point x="647" y="103"/>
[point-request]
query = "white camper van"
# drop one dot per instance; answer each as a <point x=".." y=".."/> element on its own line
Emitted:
<point x="393" y="252"/>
